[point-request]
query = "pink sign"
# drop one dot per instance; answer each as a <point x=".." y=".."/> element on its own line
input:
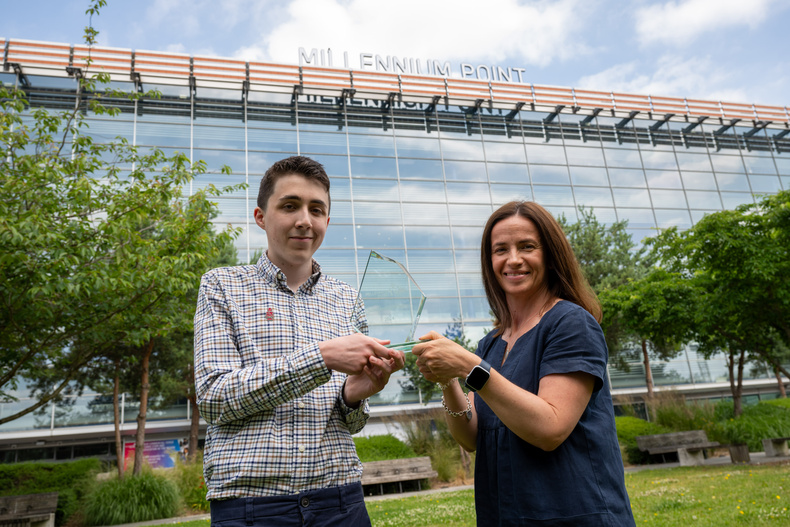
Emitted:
<point x="157" y="454"/>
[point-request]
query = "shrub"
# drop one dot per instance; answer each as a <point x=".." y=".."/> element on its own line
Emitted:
<point x="628" y="429"/>
<point x="71" y="480"/>
<point x="382" y="447"/>
<point x="757" y="422"/>
<point x="133" y="499"/>
<point x="188" y="477"/>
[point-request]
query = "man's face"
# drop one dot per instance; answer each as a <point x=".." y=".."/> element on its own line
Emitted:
<point x="295" y="221"/>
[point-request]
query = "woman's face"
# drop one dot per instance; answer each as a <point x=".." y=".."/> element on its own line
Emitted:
<point x="517" y="257"/>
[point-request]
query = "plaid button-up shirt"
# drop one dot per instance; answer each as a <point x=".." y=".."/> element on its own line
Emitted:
<point x="277" y="420"/>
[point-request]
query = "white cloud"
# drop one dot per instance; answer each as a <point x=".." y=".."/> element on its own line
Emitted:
<point x="680" y="22"/>
<point x="672" y="76"/>
<point x="536" y="32"/>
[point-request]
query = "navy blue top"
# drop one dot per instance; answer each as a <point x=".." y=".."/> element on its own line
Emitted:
<point x="581" y="483"/>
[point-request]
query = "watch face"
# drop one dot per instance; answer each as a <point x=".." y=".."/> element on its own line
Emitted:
<point x="477" y="378"/>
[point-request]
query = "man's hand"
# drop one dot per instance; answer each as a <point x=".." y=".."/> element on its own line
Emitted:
<point x="350" y="354"/>
<point x="372" y="380"/>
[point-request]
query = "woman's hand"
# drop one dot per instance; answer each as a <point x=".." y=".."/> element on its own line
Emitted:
<point x="440" y="359"/>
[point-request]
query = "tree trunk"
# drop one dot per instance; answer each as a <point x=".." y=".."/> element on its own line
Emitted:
<point x="116" y="412"/>
<point x="194" y="428"/>
<point x="782" y="392"/>
<point x="648" y="373"/>
<point x="736" y="382"/>
<point x="139" y="443"/>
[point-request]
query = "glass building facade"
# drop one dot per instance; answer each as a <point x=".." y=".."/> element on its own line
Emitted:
<point x="414" y="176"/>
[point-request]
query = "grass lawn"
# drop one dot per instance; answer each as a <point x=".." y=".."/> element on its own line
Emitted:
<point x="686" y="496"/>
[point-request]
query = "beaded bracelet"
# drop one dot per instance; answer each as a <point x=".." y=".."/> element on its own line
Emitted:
<point x="467" y="412"/>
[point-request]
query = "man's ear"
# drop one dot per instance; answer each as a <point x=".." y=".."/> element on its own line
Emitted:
<point x="259" y="217"/>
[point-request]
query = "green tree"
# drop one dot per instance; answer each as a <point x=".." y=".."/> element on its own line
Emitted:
<point x="96" y="240"/>
<point x="738" y="260"/>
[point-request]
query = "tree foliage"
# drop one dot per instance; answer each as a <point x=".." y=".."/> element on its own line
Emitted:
<point x="97" y="240"/>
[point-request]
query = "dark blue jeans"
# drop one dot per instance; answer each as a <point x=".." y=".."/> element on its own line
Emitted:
<point x="342" y="506"/>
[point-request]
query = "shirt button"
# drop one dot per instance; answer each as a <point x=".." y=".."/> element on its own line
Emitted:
<point x="301" y="448"/>
<point x="305" y="501"/>
<point x="301" y="405"/>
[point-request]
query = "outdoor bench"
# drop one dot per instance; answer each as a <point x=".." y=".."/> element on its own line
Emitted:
<point x="690" y="446"/>
<point x="776" y="447"/>
<point x="29" y="510"/>
<point x="397" y="470"/>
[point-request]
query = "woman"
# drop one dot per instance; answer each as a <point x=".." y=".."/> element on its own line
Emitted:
<point x="539" y="412"/>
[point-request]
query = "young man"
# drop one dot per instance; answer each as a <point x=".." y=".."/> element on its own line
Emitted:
<point x="282" y="377"/>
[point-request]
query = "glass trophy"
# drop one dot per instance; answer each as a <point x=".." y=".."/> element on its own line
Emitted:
<point x="392" y="300"/>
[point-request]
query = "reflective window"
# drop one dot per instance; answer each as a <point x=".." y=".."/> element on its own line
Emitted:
<point x="570" y="213"/>
<point x="626" y="197"/>
<point x="272" y="140"/>
<point x="420" y="169"/>
<point x="663" y="179"/>
<point x="335" y="166"/>
<point x="373" y="167"/>
<point x="428" y="237"/>
<point x="436" y="284"/>
<point x="339" y="187"/>
<point x="765" y="184"/>
<point x="371" y="145"/>
<point x="659" y="160"/>
<point x="637" y="218"/>
<point x="417" y="191"/>
<point x="730" y="200"/>
<point x="425" y="214"/>
<point x="673" y="218"/>
<point x="259" y="162"/>
<point x="723" y="163"/>
<point x="316" y="142"/>
<point x="505" y="152"/>
<point x="783" y="163"/>
<point x="341" y="211"/>
<point x="699" y="180"/>
<point x="201" y="181"/>
<point x="732" y="182"/>
<point x="506" y="173"/>
<point x="549" y="174"/>
<point x="468" y="237"/>
<point x="339" y="236"/>
<point x="375" y="189"/>
<point x="627" y="178"/>
<point x="605" y="215"/>
<point x="469" y="261"/>
<point x="106" y="131"/>
<point x="163" y="135"/>
<point x="553" y="195"/>
<point x="759" y="165"/>
<point x="465" y="170"/>
<point x="232" y="210"/>
<point x="589" y="176"/>
<point x="218" y="137"/>
<point x="668" y="198"/>
<point x="590" y="157"/>
<point x="336" y="262"/>
<point x="501" y="194"/>
<point x="379" y="237"/>
<point x="468" y="192"/>
<point x="474" y="215"/>
<point x="466" y="150"/>
<point x="622" y="158"/>
<point x="689" y="161"/>
<point x="216" y="159"/>
<point x="546" y="154"/>
<point x="437" y="310"/>
<point x="593" y="196"/>
<point x="703" y="200"/>
<point x="427" y="147"/>
<point x="431" y="261"/>
<point x="377" y="212"/>
<point x="477" y="309"/>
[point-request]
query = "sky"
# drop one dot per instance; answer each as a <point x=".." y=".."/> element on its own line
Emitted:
<point x="722" y="50"/>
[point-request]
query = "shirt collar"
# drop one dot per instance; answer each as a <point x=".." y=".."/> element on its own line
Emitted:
<point x="274" y="274"/>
